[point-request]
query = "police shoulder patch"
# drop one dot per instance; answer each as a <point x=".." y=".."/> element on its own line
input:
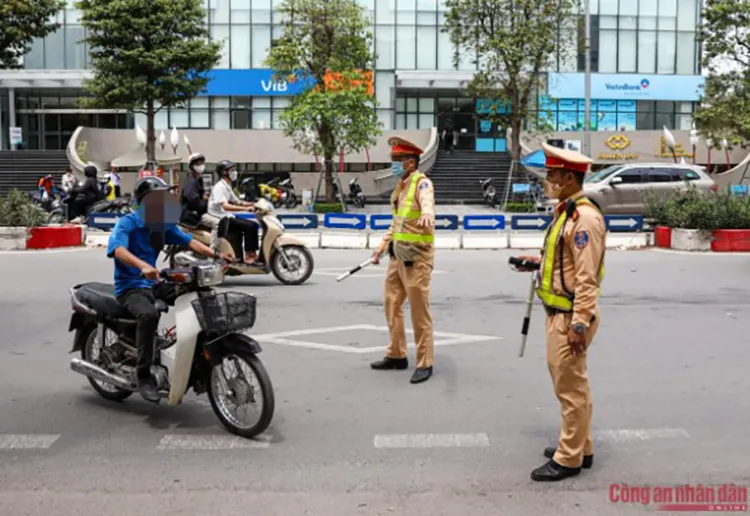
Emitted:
<point x="425" y="183"/>
<point x="581" y="239"/>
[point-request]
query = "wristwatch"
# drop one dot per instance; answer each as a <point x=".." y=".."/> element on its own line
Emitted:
<point x="579" y="328"/>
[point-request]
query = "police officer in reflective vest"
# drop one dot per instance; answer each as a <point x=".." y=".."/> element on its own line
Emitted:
<point x="571" y="270"/>
<point x="410" y="242"/>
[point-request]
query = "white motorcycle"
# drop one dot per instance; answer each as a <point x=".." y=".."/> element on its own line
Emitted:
<point x="205" y="350"/>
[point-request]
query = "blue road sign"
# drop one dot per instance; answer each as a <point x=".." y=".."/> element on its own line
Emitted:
<point x="105" y="221"/>
<point x="345" y="221"/>
<point x="380" y="221"/>
<point x="626" y="223"/>
<point x="301" y="221"/>
<point x="530" y="222"/>
<point x="245" y="215"/>
<point x="484" y="222"/>
<point x="446" y="222"/>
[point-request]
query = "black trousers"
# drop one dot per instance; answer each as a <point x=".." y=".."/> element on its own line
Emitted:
<point x="140" y="302"/>
<point x="247" y="228"/>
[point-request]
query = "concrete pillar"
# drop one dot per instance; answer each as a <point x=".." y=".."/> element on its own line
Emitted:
<point x="11" y="113"/>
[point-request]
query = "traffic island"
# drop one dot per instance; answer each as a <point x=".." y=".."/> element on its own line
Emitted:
<point x="45" y="237"/>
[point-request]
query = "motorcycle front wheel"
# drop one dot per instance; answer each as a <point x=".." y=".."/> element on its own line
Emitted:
<point x="292" y="264"/>
<point x="230" y="390"/>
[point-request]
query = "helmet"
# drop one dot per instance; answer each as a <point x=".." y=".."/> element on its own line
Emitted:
<point x="90" y="171"/>
<point x="148" y="185"/>
<point x="223" y="167"/>
<point x="197" y="156"/>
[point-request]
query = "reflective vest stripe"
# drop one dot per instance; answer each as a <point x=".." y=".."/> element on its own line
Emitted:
<point x="405" y="212"/>
<point x="544" y="290"/>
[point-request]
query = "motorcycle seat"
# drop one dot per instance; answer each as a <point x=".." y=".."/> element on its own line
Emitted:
<point x="101" y="298"/>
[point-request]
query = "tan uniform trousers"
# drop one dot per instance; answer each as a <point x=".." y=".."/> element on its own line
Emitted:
<point x="571" y="384"/>
<point x="412" y="283"/>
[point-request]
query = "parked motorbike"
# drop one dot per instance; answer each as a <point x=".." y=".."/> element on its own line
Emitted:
<point x="249" y="191"/>
<point x="271" y="192"/>
<point x="208" y="333"/>
<point x="356" y="195"/>
<point x="288" y="195"/>
<point x="287" y="257"/>
<point x="488" y="192"/>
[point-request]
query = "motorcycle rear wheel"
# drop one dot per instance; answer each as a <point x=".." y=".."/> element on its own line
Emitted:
<point x="241" y="353"/>
<point x="291" y="201"/>
<point x="105" y="390"/>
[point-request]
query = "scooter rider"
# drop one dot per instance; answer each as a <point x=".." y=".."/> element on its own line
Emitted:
<point x="194" y="198"/>
<point x="222" y="203"/>
<point x="135" y="244"/>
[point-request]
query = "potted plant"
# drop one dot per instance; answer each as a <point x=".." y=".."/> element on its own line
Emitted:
<point x="18" y="214"/>
<point x="733" y="223"/>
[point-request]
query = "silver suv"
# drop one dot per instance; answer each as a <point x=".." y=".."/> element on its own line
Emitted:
<point x="623" y="188"/>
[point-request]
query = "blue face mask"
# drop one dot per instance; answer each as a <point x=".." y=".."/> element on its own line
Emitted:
<point x="398" y="169"/>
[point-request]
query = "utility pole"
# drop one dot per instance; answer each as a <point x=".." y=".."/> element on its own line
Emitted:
<point x="587" y="120"/>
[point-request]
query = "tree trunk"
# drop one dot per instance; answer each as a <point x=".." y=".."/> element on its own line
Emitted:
<point x="515" y="152"/>
<point x="150" y="132"/>
<point x="330" y="194"/>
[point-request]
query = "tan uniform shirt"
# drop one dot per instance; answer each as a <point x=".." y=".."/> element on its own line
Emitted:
<point x="424" y="200"/>
<point x="584" y="237"/>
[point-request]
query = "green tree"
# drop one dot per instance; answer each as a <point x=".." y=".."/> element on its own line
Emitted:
<point x="327" y="43"/>
<point x="512" y="42"/>
<point x="725" y="107"/>
<point x="145" y="52"/>
<point x="20" y="22"/>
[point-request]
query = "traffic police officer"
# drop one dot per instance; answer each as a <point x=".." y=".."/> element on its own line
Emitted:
<point x="410" y="242"/>
<point x="571" y="268"/>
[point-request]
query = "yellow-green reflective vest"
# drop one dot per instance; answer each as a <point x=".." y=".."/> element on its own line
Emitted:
<point x="405" y="212"/>
<point x="544" y="288"/>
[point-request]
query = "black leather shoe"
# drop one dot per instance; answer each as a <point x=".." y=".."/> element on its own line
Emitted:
<point x="421" y="374"/>
<point x="552" y="472"/>
<point x="588" y="460"/>
<point x="147" y="389"/>
<point x="390" y="363"/>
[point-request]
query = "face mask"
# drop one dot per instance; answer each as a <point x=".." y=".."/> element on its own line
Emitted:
<point x="233" y="175"/>
<point x="398" y="169"/>
<point x="200" y="168"/>
<point x="552" y="190"/>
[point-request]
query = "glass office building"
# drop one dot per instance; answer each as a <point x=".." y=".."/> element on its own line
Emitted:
<point x="645" y="64"/>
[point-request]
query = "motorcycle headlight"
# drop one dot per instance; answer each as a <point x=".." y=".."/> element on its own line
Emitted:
<point x="209" y="275"/>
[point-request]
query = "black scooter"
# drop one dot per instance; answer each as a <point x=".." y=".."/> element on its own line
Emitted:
<point x="356" y="195"/>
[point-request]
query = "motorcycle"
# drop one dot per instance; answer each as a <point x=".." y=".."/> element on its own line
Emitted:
<point x="287" y="257"/>
<point x="488" y="192"/>
<point x="356" y="195"/>
<point x="208" y="332"/>
<point x="288" y="195"/>
<point x="271" y="192"/>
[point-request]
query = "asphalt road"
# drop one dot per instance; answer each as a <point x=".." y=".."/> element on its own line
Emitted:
<point x="668" y="372"/>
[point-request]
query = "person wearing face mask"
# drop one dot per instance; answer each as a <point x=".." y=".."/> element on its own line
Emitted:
<point x="222" y="203"/>
<point x="571" y="268"/>
<point x="193" y="197"/>
<point x="410" y="244"/>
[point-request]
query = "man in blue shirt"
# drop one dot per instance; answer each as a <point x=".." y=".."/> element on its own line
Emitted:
<point x="135" y="244"/>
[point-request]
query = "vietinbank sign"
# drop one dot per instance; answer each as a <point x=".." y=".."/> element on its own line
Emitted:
<point x="254" y="83"/>
<point x="626" y="86"/>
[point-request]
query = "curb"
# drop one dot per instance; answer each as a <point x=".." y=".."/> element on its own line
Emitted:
<point x="360" y="240"/>
<point x="45" y="237"/>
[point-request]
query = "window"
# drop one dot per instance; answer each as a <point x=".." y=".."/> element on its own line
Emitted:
<point x="667" y="14"/>
<point x="261" y="11"/>
<point x="426" y="48"/>
<point x="75" y="50"/>
<point x="445" y="51"/>
<point x="426" y="12"/>
<point x="686" y="53"/>
<point x="686" y="15"/>
<point x="608" y="47"/>
<point x="647" y="12"/>
<point x="631" y="176"/>
<point x="218" y="11"/>
<point x="261" y="43"/>
<point x="646" y="52"/>
<point x="384" y="47"/>
<point x="665" y="175"/>
<point x="221" y="33"/>
<point x="407" y="12"/>
<point x="241" y="46"/>
<point x="240" y="11"/>
<point x="385" y="11"/>
<point x="667" y="51"/>
<point x="627" y="51"/>
<point x="405" y="48"/>
<point x="54" y="50"/>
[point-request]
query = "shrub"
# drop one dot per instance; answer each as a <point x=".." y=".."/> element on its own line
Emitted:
<point x="520" y="207"/>
<point x="697" y="210"/>
<point x="18" y="210"/>
<point x="323" y="207"/>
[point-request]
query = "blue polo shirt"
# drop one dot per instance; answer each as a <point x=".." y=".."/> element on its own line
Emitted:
<point x="131" y="233"/>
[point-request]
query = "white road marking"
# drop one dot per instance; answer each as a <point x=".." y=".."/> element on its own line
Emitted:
<point x="211" y="442"/>
<point x="441" y="338"/>
<point x="641" y="434"/>
<point x="432" y="441"/>
<point x="27" y="441"/>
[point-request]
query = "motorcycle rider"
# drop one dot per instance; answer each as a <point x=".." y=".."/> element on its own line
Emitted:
<point x="135" y="243"/>
<point x="69" y="181"/>
<point x="86" y="194"/>
<point x="222" y="202"/>
<point x="194" y="198"/>
<point x="47" y="190"/>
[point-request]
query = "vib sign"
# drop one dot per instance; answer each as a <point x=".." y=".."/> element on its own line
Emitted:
<point x="253" y="83"/>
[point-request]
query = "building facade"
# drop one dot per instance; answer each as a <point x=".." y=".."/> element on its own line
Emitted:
<point x="645" y="64"/>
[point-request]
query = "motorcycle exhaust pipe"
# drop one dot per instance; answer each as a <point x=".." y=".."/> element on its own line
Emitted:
<point x="97" y="373"/>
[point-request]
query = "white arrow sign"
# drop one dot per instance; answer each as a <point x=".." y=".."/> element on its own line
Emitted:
<point x="304" y="222"/>
<point x="443" y="223"/>
<point x="343" y="219"/>
<point x="623" y="222"/>
<point x="537" y="223"/>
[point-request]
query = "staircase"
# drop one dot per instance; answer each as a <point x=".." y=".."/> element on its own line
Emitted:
<point x="457" y="177"/>
<point x="22" y="169"/>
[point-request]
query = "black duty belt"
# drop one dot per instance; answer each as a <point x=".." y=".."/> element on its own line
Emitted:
<point x="555" y="311"/>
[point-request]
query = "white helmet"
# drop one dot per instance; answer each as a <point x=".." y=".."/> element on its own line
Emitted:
<point x="197" y="157"/>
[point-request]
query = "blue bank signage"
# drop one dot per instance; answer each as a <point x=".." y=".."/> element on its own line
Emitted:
<point x="627" y="86"/>
<point x="255" y="83"/>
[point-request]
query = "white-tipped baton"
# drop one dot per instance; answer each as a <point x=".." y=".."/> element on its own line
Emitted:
<point x="527" y="318"/>
<point x="355" y="269"/>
